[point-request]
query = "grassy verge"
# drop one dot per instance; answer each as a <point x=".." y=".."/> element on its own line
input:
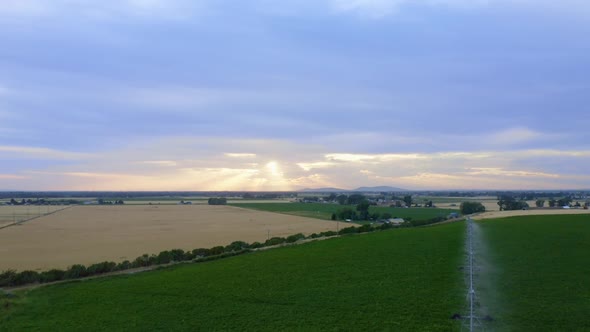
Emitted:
<point x="402" y="280"/>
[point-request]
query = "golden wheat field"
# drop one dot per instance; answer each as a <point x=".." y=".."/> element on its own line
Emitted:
<point x="517" y="213"/>
<point x="14" y="213"/>
<point x="91" y="234"/>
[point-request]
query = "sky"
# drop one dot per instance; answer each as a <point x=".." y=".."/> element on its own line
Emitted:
<point x="263" y="95"/>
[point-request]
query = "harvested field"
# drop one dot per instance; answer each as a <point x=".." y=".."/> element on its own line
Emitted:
<point x="91" y="234"/>
<point x="516" y="213"/>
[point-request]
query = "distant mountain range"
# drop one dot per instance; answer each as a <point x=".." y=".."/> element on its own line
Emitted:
<point x="360" y="189"/>
<point x="379" y="189"/>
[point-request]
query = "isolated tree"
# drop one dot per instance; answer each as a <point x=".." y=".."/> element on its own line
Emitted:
<point x="408" y="200"/>
<point x="552" y="203"/>
<point x="472" y="207"/>
<point x="540" y="203"/>
<point x="346" y="213"/>
<point x="363" y="209"/>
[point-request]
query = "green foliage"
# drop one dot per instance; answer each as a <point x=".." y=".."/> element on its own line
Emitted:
<point x="7" y="278"/>
<point x="52" y="275"/>
<point x="355" y="199"/>
<point x="363" y="209"/>
<point x="275" y="241"/>
<point x="507" y="203"/>
<point x="100" y="268"/>
<point x="295" y="237"/>
<point x="348" y="230"/>
<point x="472" y="207"/>
<point x="328" y="233"/>
<point x="216" y="251"/>
<point x="217" y="201"/>
<point x="201" y="252"/>
<point x="402" y="280"/>
<point x="76" y="271"/>
<point x="164" y="257"/>
<point x="124" y="265"/>
<point x="237" y="246"/>
<point x="408" y="200"/>
<point x="347" y="213"/>
<point x="365" y="228"/>
<point x="540" y="203"/>
<point x="256" y="245"/>
<point x="25" y="277"/>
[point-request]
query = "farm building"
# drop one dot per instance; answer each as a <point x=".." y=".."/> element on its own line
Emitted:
<point x="395" y="221"/>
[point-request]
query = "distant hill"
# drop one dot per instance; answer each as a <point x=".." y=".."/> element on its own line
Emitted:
<point x="323" y="190"/>
<point x="379" y="189"/>
<point x="360" y="189"/>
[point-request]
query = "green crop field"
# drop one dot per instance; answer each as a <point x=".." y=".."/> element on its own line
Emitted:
<point x="397" y="280"/>
<point x="540" y="272"/>
<point x="532" y="276"/>
<point x="324" y="211"/>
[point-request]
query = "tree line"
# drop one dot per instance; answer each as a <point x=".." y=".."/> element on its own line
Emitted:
<point x="11" y="278"/>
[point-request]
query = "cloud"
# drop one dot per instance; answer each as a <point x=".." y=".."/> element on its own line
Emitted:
<point x="511" y="173"/>
<point x="315" y="165"/>
<point x="40" y="153"/>
<point x="240" y="155"/>
<point x="513" y="136"/>
<point x="168" y="163"/>
<point x="195" y="163"/>
<point x="11" y="176"/>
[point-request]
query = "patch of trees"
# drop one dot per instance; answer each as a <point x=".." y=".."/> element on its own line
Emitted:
<point x="361" y="212"/>
<point x="472" y="207"/>
<point x="42" y="201"/>
<point x="309" y="199"/>
<point x="507" y="203"/>
<point x="217" y="201"/>
<point x="343" y="199"/>
<point x="107" y="202"/>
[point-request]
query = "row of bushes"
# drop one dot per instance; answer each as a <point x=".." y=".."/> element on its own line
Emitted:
<point x="12" y="278"/>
